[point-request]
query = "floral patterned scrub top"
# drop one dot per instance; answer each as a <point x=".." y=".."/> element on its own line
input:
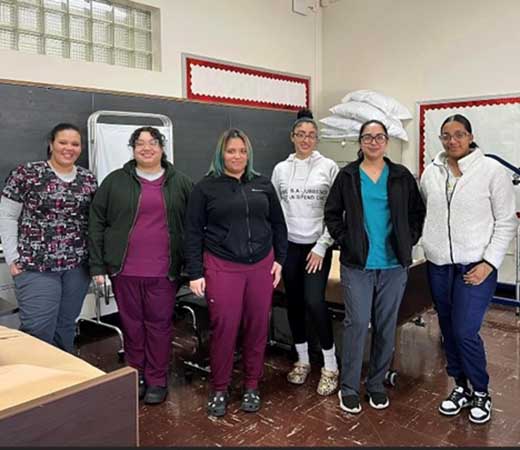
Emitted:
<point x="52" y="228"/>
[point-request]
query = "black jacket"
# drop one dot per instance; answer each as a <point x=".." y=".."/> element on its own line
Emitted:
<point x="345" y="221"/>
<point x="237" y="220"/>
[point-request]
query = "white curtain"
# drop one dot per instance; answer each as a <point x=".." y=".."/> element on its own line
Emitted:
<point x="110" y="150"/>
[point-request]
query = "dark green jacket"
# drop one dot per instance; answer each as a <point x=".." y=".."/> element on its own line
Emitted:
<point x="113" y="212"/>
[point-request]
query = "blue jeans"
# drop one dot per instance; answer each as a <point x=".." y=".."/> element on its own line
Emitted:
<point x="461" y="309"/>
<point x="50" y="302"/>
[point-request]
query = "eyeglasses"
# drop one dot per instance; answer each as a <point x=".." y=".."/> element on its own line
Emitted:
<point x="379" y="138"/>
<point x="458" y="135"/>
<point x="152" y="143"/>
<point x="302" y="136"/>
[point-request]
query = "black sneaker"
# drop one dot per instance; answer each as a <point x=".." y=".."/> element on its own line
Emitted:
<point x="141" y="385"/>
<point x="217" y="403"/>
<point x="480" y="411"/>
<point x="378" y="400"/>
<point x="349" y="403"/>
<point x="458" y="399"/>
<point x="155" y="395"/>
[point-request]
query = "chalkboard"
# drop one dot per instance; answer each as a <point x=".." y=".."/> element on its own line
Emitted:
<point x="28" y="113"/>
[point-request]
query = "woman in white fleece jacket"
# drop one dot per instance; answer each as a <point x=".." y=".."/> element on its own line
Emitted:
<point x="303" y="182"/>
<point x="470" y="222"/>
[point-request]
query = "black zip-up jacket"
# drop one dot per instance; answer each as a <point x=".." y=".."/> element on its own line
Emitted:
<point x="345" y="219"/>
<point x="236" y="220"/>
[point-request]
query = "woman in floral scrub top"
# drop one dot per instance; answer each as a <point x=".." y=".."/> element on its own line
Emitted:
<point x="43" y="226"/>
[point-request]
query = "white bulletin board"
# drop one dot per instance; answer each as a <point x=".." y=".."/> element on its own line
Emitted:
<point x="495" y="122"/>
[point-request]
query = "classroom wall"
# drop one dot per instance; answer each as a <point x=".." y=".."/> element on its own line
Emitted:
<point x="262" y="33"/>
<point x="416" y="50"/>
<point x="410" y="49"/>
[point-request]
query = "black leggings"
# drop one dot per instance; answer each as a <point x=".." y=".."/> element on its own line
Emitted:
<point x="306" y="291"/>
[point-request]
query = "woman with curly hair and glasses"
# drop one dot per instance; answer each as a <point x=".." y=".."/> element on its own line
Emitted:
<point x="136" y="231"/>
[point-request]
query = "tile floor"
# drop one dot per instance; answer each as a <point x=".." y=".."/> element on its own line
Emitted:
<point x="297" y="416"/>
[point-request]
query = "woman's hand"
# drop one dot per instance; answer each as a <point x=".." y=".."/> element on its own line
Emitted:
<point x="99" y="279"/>
<point x="276" y="272"/>
<point x="198" y="287"/>
<point x="15" y="269"/>
<point x="314" y="262"/>
<point x="478" y="273"/>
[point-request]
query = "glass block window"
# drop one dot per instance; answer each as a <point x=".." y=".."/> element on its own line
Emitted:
<point x="86" y="30"/>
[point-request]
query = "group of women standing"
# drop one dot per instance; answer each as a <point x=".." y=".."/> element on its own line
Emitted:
<point x="236" y="234"/>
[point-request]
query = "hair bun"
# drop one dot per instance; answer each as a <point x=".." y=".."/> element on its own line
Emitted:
<point x="304" y="112"/>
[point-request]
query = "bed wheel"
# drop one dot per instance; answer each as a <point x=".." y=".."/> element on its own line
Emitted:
<point x="391" y="377"/>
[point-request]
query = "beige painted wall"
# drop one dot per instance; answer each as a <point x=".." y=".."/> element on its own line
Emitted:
<point x="410" y="49"/>
<point x="417" y="50"/>
<point x="262" y="33"/>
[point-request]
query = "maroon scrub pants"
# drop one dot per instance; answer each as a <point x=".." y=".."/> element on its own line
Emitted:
<point x="239" y="298"/>
<point x="145" y="307"/>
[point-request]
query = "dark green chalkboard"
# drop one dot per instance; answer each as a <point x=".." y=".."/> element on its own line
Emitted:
<point x="28" y="113"/>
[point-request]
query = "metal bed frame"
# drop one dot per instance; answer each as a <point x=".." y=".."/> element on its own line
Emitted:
<point x="508" y="287"/>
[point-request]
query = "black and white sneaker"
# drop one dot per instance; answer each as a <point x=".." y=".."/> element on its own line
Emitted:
<point x="349" y="403"/>
<point x="458" y="399"/>
<point x="480" y="411"/>
<point x="378" y="400"/>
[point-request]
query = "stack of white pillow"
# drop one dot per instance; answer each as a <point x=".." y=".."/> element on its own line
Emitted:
<point x="359" y="106"/>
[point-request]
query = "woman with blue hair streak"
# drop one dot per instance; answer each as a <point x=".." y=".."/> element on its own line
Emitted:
<point x="236" y="242"/>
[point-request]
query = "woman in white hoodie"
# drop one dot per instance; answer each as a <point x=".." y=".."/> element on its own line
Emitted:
<point x="303" y="182"/>
<point x="470" y="222"/>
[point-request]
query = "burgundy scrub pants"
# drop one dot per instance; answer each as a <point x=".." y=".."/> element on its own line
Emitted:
<point x="239" y="299"/>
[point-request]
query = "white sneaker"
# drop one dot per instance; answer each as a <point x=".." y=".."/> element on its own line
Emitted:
<point x="480" y="411"/>
<point x="457" y="400"/>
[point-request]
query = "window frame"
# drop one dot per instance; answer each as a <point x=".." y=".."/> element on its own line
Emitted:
<point x="54" y="28"/>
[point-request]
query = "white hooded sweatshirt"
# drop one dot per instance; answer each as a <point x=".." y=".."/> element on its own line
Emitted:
<point x="478" y="222"/>
<point x="302" y="186"/>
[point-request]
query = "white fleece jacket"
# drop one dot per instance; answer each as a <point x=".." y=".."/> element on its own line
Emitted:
<point x="302" y="187"/>
<point x="480" y="220"/>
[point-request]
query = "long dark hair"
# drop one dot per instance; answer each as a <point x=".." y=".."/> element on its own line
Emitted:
<point x="58" y="128"/>
<point x="155" y="133"/>
<point x="366" y="124"/>
<point x="464" y="122"/>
